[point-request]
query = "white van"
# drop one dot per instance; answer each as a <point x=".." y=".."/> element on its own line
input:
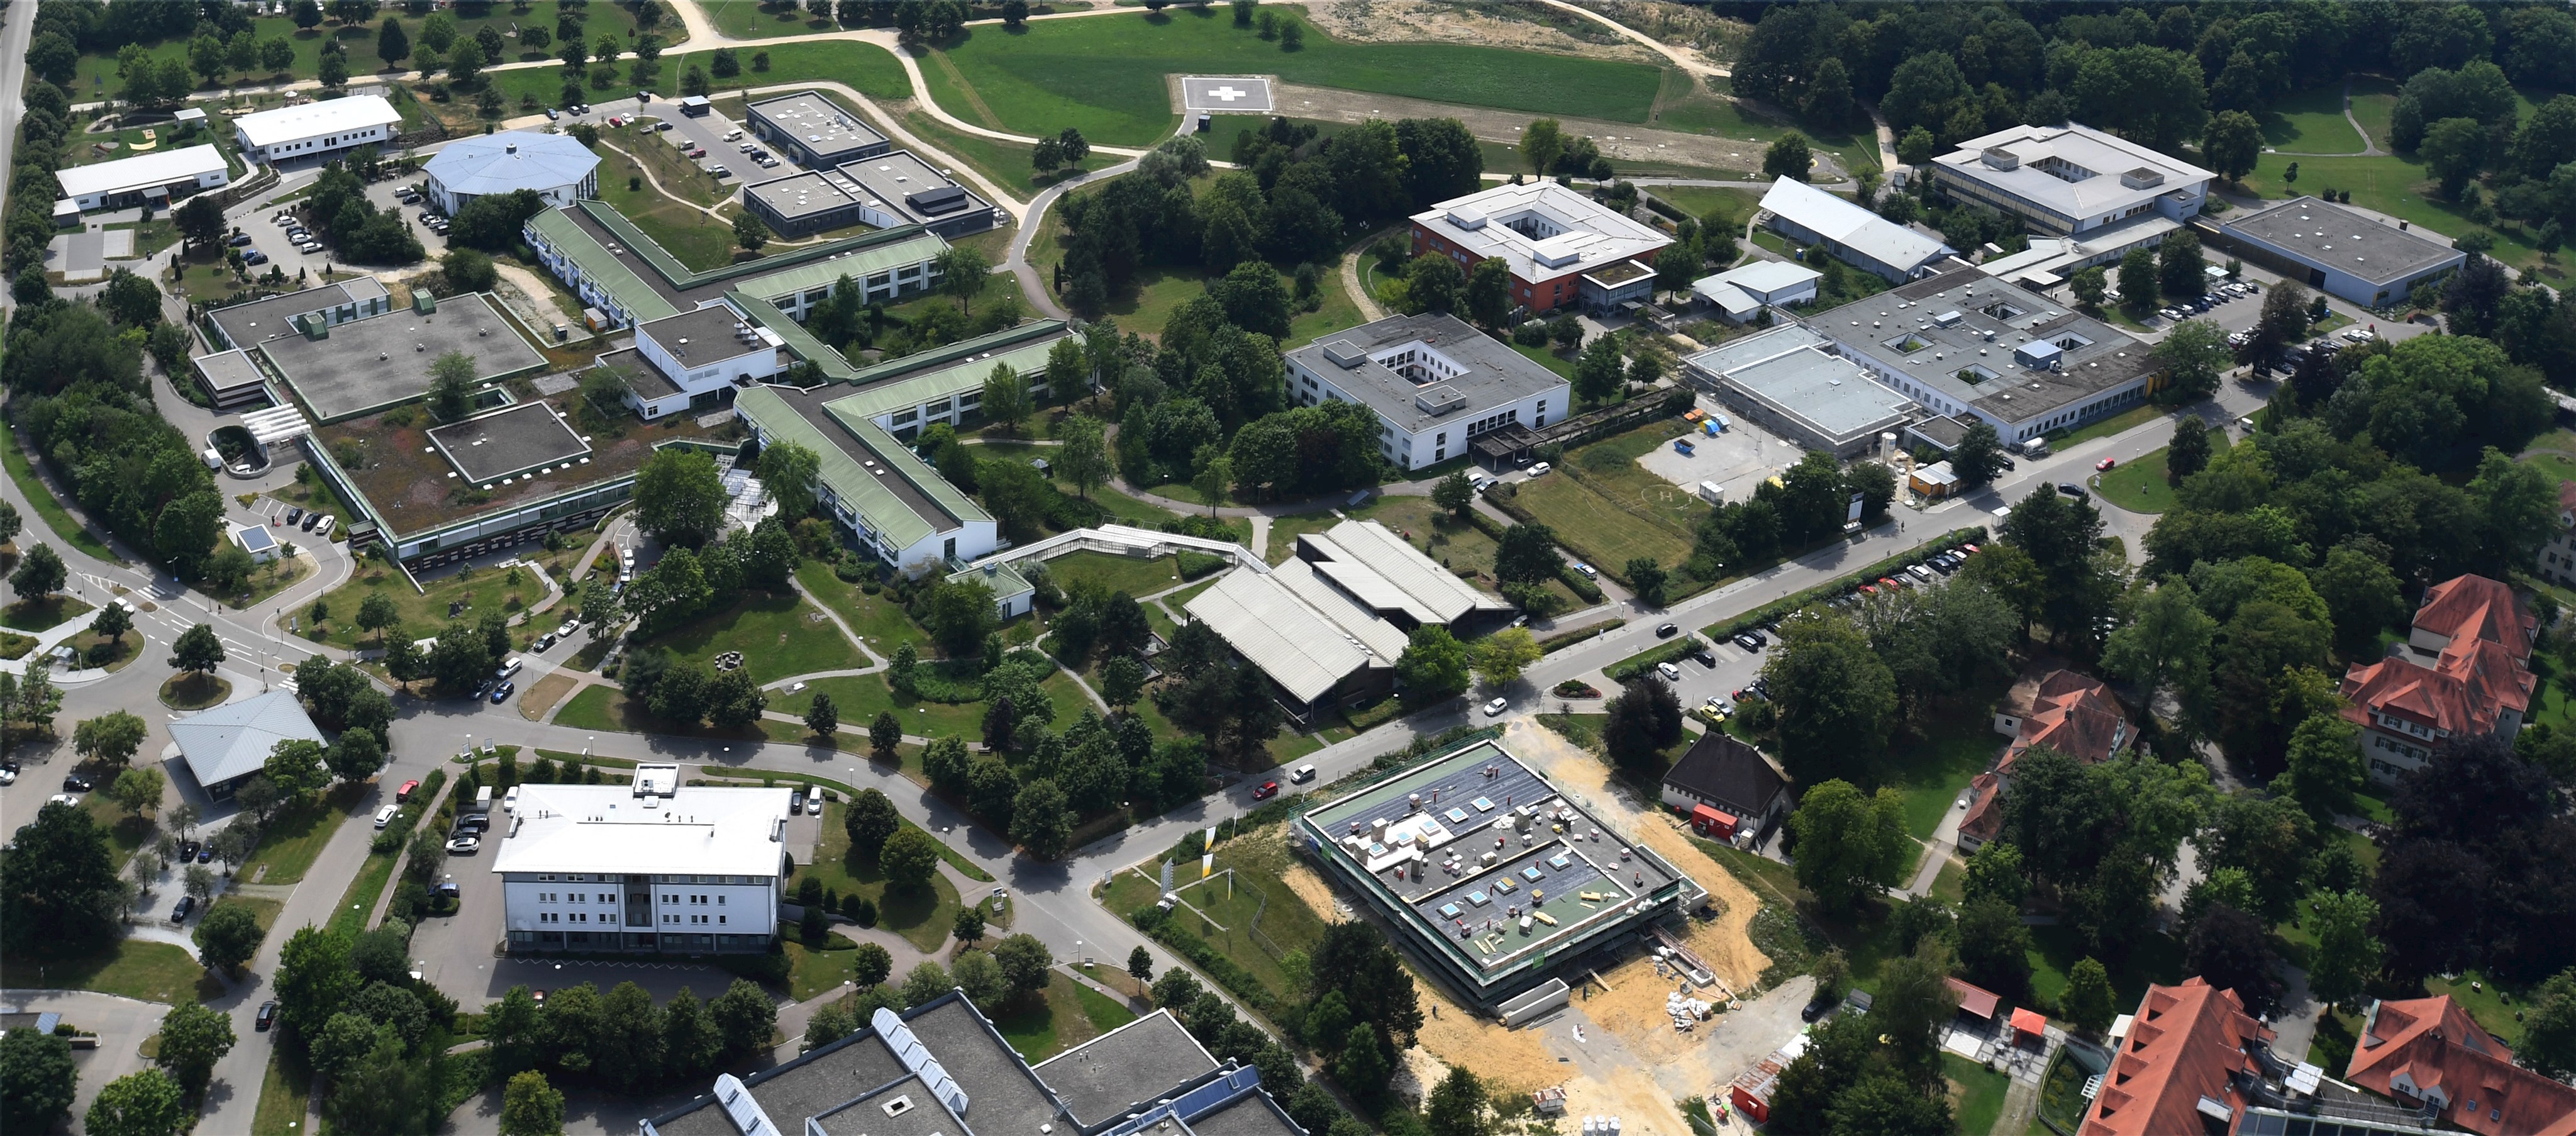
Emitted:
<point x="510" y="668"/>
<point x="510" y="801"/>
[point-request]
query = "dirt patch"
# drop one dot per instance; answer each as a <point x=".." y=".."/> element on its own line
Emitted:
<point x="1720" y="942"/>
<point x="1642" y="1103"/>
<point x="1419" y="21"/>
<point x="1312" y="888"/>
<point x="542" y="696"/>
<point x="1629" y="145"/>
<point x="1510" y="1060"/>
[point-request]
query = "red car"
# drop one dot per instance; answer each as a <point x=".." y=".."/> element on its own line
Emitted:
<point x="1267" y="790"/>
<point x="2106" y="463"/>
<point x="404" y="793"/>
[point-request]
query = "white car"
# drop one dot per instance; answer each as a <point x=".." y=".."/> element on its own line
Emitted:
<point x="384" y="816"/>
<point x="569" y="626"/>
<point x="63" y="799"/>
<point x="8" y="776"/>
<point x="1540" y="470"/>
<point x="1497" y="706"/>
<point x="464" y="846"/>
<point x="1670" y="672"/>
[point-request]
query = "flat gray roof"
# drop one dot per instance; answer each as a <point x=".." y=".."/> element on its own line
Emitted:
<point x="824" y="126"/>
<point x="1477" y="802"/>
<point x="2332" y="236"/>
<point x="369" y="364"/>
<point x="647" y="379"/>
<point x="229" y="370"/>
<point x="1484" y="373"/>
<point x="1100" y="1078"/>
<point x="1961" y="333"/>
<point x="248" y="324"/>
<point x="1253" y="1114"/>
<point x="911" y="187"/>
<point x="704" y="335"/>
<point x="506" y="442"/>
<point x="1792" y="370"/>
<point x="805" y="194"/>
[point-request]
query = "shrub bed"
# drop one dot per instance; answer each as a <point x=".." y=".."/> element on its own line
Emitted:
<point x="1630" y="668"/>
<point x="1564" y="639"/>
<point x="1197" y="564"/>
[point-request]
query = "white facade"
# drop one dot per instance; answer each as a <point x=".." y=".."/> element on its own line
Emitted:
<point x="2069" y="180"/>
<point x="647" y="867"/>
<point x="555" y="167"/>
<point x="315" y="129"/>
<point x="149" y="177"/>
<point x="709" y="351"/>
<point x="1442" y="438"/>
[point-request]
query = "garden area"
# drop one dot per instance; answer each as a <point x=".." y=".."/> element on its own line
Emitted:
<point x="778" y="635"/>
<point x="294" y="837"/>
<point x="458" y="595"/>
<point x="1605" y="508"/>
<point x="922" y="916"/>
<point x="2140" y="485"/>
<point x="1070" y="1014"/>
<point x="1246" y="911"/>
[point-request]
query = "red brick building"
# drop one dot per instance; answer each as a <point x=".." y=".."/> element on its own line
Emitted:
<point x="2462" y="670"/>
<point x="2427" y="1052"/>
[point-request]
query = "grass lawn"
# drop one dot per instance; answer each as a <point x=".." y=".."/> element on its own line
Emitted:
<point x="2311" y="122"/>
<point x="1547" y="357"/>
<point x="1066" y="1016"/>
<point x="878" y="620"/>
<point x="1931" y="771"/>
<point x="2374" y="101"/>
<point x="421" y="613"/>
<point x="188" y="690"/>
<point x="2553" y="466"/>
<point x="1106" y="75"/>
<point x="2103" y="428"/>
<point x="133" y="968"/>
<point x="921" y="917"/>
<point x="1700" y="201"/>
<point x="607" y="708"/>
<point x="860" y="698"/>
<point x="129" y="647"/>
<point x="1006" y="164"/>
<point x="2140" y="485"/>
<point x="2485" y="1001"/>
<point x="95" y="73"/>
<point x="1616" y="510"/>
<point x="1255" y="888"/>
<point x="66" y="529"/>
<point x="2156" y="958"/>
<point x="2399" y="186"/>
<point x="699" y="241"/>
<point x="291" y="839"/>
<point x="1976" y="1094"/>
<point x="357" y="903"/>
<point x="282" y="1095"/>
<point x="1116" y="573"/>
<point x="43" y="613"/>
<point x="865" y="66"/>
<point x="745" y="19"/>
<point x="778" y="635"/>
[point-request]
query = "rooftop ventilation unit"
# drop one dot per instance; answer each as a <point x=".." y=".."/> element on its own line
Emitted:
<point x="1345" y="354"/>
<point x="908" y="1049"/>
<point x="1467" y="217"/>
<point x="745" y="1112"/>
<point x="1998" y="158"/>
<point x="2142" y="178"/>
<point x="1439" y="400"/>
<point x="933" y="202"/>
<point x="1946" y="319"/>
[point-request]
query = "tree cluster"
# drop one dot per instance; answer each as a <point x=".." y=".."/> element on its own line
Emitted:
<point x="360" y="232"/>
<point x="1808" y="505"/>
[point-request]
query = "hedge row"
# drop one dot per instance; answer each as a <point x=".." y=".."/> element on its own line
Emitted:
<point x="406" y="818"/>
<point x="1628" y="669"/>
<point x="1564" y="639"/>
<point x="1729" y="629"/>
<point x="1196" y="564"/>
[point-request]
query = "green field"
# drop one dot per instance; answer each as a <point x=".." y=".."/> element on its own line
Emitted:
<point x="878" y="620"/>
<point x="1006" y="164"/>
<point x="1229" y="903"/>
<point x="132" y="968"/>
<point x="2105" y="427"/>
<point x="860" y="698"/>
<point x="2140" y="485"/>
<point x="872" y="70"/>
<point x="422" y="613"/>
<point x="1069" y="1014"/>
<point x="95" y="73"/>
<point x="778" y="635"/>
<point x="1104" y="76"/>
<point x="755" y="19"/>
<point x="1604" y="513"/>
<point x="2374" y="100"/>
<point x="294" y="837"/>
<point x="2312" y="122"/>
<point x="921" y="917"/>
<point x="283" y="1096"/>
<point x="1116" y="573"/>
<point x="1700" y="201"/>
<point x="1977" y="1096"/>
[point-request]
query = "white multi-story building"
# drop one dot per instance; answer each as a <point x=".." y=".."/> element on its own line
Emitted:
<point x="649" y="867"/>
<point x="1434" y="382"/>
<point x="2071" y="180"/>
<point x="315" y="129"/>
<point x="696" y="360"/>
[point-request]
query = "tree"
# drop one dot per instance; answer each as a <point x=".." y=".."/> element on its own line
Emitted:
<point x="40" y="573"/>
<point x="1645" y="718"/>
<point x="1993" y="945"/>
<point x="1456" y="1106"/>
<point x="1542" y="143"/>
<point x="1432" y="284"/>
<point x="1122" y="681"/>
<point x="2194" y="354"/>
<point x="1432" y="668"/>
<point x="1979" y="455"/>
<point x="679" y="498"/>
<point x="2454" y="149"/>
<point x="193" y="1039"/>
<point x="2232" y="143"/>
<point x="1848" y="844"/>
<point x="1006" y="397"/>
<point x="112" y="738"/>
<point x="377" y="613"/>
<point x="1503" y="655"/>
<point x="1995" y="872"/>
<point x="451" y="386"/>
<point x="1041" y="819"/>
<point x="138" y="790"/>
<point x="148" y="1103"/>
<point x="2228" y="947"/>
<point x="1364" y="1066"/>
<point x="2346" y="957"/>
<point x="197" y="650"/>
<point x="314" y="979"/>
<point x="2188" y="453"/>
<point x="1488" y="298"/>
<point x="228" y="938"/>
<point x="750" y="232"/>
<point x="1215" y="472"/>
<point x="744" y="1017"/>
<point x="1835" y="695"/>
<point x="964" y="272"/>
<point x="38" y="1081"/>
<point x="1647" y="579"/>
<point x="822" y="719"/>
<point x="1083" y="459"/>
<point x="1598" y="370"/>
<point x="2548" y="1030"/>
<point x="2181" y="270"/>
<point x="1140" y="965"/>
<point x="2138" y="287"/>
<point x="1453" y="493"/>
<point x="1025" y="963"/>
<point x="1789" y="157"/>
<point x="908" y="858"/>
<point x="2088" y="1001"/>
<point x="2091" y="287"/>
<point x="788" y="469"/>
<point x="531" y="1107"/>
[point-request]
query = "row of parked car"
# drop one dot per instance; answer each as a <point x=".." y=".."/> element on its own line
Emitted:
<point x="2233" y="290"/>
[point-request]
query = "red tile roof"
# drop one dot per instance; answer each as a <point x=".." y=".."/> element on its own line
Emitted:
<point x="2479" y="607"/>
<point x="1985" y="809"/>
<point x="2479" y="674"/>
<point x="2075" y="715"/>
<point x="2566" y="500"/>
<point x="2184" y="1045"/>
<point x="2421" y="1049"/>
<point x="1975" y="1000"/>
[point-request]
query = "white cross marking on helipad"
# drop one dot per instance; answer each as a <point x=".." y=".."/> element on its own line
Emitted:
<point x="1228" y="93"/>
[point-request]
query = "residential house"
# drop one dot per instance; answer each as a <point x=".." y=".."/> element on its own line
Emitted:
<point x="1725" y="787"/>
<point x="2427" y="1053"/>
<point x="2463" y="670"/>
<point x="2191" y="1056"/>
<point x="2074" y="714"/>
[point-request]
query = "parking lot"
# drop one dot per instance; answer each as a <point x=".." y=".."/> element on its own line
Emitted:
<point x="1739" y="458"/>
